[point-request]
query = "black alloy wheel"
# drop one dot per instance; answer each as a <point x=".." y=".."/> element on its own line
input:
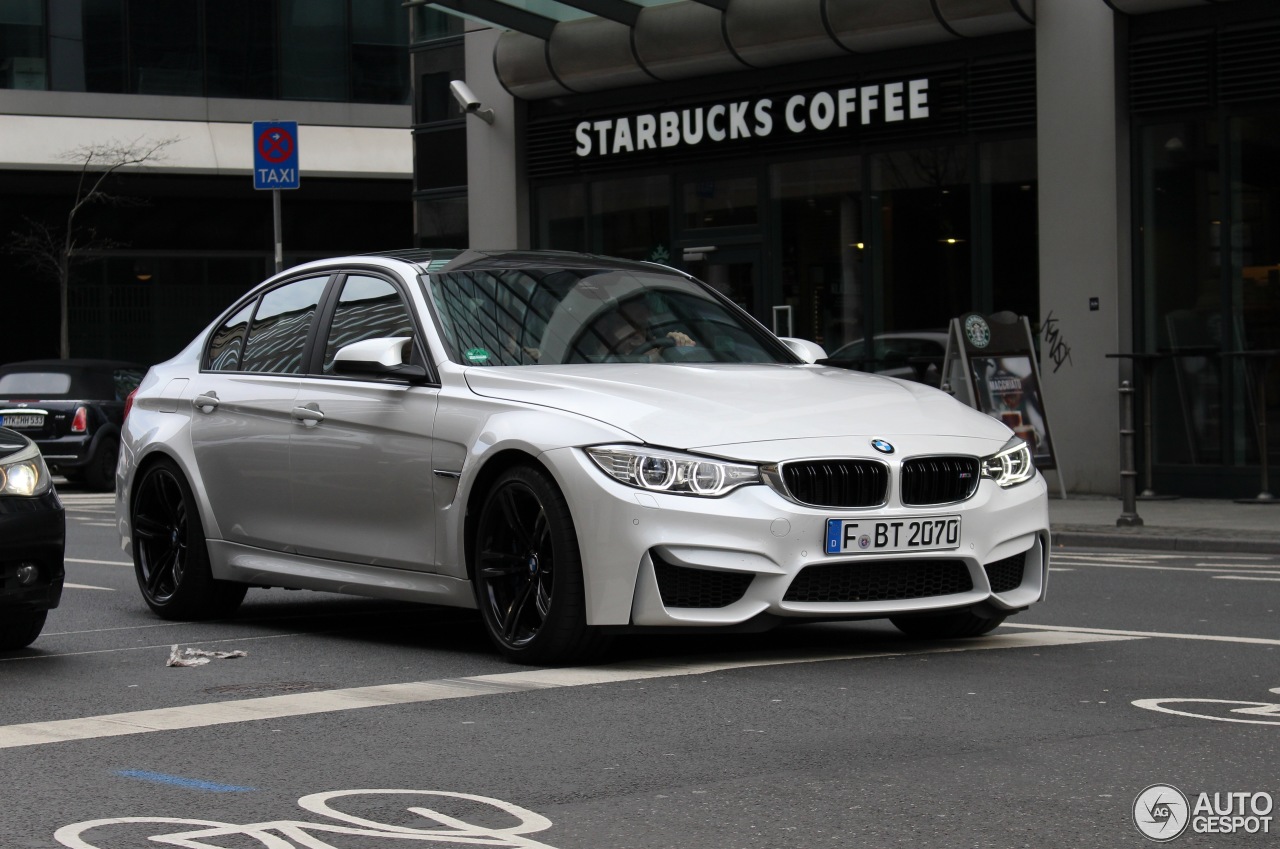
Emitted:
<point x="528" y="572"/>
<point x="170" y="557"/>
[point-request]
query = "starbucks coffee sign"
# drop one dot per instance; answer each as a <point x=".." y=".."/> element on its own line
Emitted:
<point x="797" y="114"/>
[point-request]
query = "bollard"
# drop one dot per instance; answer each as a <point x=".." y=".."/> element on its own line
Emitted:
<point x="1129" y="518"/>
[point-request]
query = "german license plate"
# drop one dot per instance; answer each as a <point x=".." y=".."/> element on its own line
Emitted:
<point x="876" y="536"/>
<point x="21" y="420"/>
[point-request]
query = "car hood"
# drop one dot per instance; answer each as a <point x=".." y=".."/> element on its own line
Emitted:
<point x="700" y="406"/>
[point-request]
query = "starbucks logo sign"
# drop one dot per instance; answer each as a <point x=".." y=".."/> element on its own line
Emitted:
<point x="977" y="331"/>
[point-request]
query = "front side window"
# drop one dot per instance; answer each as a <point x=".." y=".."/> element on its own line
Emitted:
<point x="590" y="315"/>
<point x="278" y="332"/>
<point x="369" y="308"/>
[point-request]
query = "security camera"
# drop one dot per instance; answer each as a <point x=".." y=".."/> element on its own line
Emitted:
<point x="469" y="102"/>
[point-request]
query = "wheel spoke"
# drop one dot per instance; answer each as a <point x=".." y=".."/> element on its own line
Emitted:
<point x="516" y="611"/>
<point x="149" y="528"/>
<point x="499" y="564"/>
<point x="511" y="512"/>
<point x="162" y="566"/>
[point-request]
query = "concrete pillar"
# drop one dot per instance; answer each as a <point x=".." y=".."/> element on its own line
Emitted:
<point x="1084" y="236"/>
<point x="497" y="207"/>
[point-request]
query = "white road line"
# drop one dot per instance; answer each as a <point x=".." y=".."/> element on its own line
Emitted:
<point x="1212" y="638"/>
<point x="98" y="562"/>
<point x="1244" y="578"/>
<point x="328" y="701"/>
<point x="87" y="587"/>
<point x="1238" y="568"/>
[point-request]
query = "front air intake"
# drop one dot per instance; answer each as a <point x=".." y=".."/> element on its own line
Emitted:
<point x="683" y="586"/>
<point x="879" y="581"/>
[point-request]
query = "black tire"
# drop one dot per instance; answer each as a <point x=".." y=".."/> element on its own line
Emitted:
<point x="100" y="472"/>
<point x="945" y="626"/>
<point x="19" y="628"/>
<point x="527" y="572"/>
<point x="170" y="557"/>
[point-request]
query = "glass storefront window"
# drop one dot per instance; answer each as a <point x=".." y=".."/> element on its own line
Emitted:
<point x="313" y="60"/>
<point x="1182" y="272"/>
<point x="434" y="68"/>
<point x="725" y="202"/>
<point x="633" y="217"/>
<point x="818" y="207"/>
<point x="22" y="51"/>
<point x="430" y="24"/>
<point x="923" y="242"/>
<point x="240" y="41"/>
<point x="164" y="39"/>
<point x="1008" y="247"/>
<point x="562" y="217"/>
<point x="442" y="222"/>
<point x="379" y="53"/>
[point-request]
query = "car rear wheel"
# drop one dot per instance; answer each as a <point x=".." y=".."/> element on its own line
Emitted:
<point x="528" y="573"/>
<point x="942" y="626"/>
<point x="170" y="557"/>
<point x="100" y="473"/>
<point x="19" y="628"/>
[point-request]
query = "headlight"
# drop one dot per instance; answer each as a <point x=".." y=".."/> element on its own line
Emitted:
<point x="668" y="471"/>
<point x="24" y="473"/>
<point x="1011" y="465"/>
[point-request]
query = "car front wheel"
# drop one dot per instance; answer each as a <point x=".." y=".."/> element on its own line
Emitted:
<point x="19" y="629"/>
<point x="170" y="557"/>
<point x="528" y="572"/>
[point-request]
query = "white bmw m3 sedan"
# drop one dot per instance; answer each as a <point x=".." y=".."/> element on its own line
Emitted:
<point x="574" y="445"/>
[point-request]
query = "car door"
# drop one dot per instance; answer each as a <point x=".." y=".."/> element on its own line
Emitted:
<point x="242" y="413"/>
<point x="360" y="450"/>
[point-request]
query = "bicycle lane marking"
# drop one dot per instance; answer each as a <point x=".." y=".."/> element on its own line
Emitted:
<point x="354" y="698"/>
<point x="1164" y="635"/>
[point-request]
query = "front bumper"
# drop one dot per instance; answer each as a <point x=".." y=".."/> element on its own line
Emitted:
<point x="32" y="532"/>
<point x="657" y="560"/>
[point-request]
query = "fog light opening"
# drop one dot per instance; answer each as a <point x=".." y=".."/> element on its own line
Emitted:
<point x="28" y="574"/>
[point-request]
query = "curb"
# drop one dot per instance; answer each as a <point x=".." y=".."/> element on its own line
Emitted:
<point x="1152" y="540"/>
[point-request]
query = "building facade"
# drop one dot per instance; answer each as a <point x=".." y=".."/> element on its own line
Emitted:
<point x="847" y="170"/>
<point x="188" y="231"/>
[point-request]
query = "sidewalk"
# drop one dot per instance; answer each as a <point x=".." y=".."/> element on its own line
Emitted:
<point x="1182" y="524"/>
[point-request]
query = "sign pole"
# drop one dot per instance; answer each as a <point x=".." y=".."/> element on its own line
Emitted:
<point x="275" y="214"/>
<point x="275" y="167"/>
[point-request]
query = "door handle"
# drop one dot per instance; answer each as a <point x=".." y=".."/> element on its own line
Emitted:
<point x="207" y="402"/>
<point x="308" y="414"/>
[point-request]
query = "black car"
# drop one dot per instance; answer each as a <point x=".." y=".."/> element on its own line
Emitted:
<point x="32" y="539"/>
<point x="73" y="410"/>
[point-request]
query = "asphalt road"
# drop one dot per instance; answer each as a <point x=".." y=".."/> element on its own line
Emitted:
<point x="1143" y="668"/>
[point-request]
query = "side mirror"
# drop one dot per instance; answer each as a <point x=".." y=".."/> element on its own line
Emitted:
<point x="382" y="357"/>
<point x="808" y="351"/>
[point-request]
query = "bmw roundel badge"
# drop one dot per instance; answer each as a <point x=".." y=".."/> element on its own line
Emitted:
<point x="882" y="446"/>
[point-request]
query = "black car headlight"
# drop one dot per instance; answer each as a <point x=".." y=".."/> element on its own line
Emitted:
<point x="673" y="472"/>
<point x="1011" y="465"/>
<point x="24" y="473"/>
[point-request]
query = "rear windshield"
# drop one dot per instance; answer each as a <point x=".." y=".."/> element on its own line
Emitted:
<point x="37" y="384"/>
<point x="109" y="384"/>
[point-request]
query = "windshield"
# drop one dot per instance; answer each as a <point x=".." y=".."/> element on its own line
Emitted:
<point x="506" y="317"/>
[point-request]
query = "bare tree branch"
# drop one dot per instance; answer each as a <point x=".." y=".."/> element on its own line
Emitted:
<point x="53" y="251"/>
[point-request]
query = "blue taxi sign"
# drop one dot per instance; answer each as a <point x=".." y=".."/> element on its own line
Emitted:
<point x="275" y="155"/>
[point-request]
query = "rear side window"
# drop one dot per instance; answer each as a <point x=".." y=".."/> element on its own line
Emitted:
<point x="369" y="308"/>
<point x="278" y="333"/>
<point x="226" y="347"/>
